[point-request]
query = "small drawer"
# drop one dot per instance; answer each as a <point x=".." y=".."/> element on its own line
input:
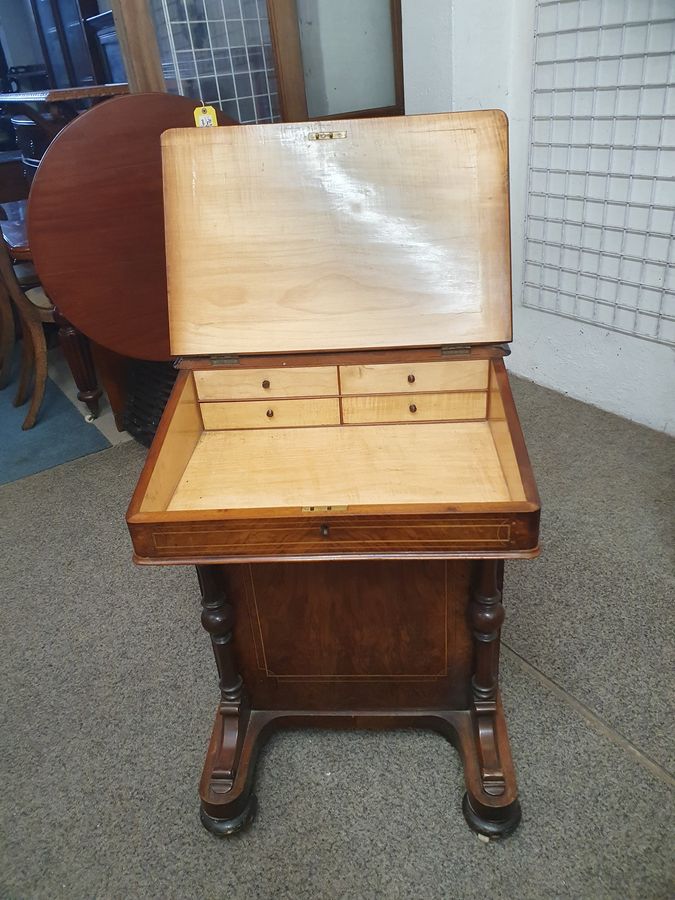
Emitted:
<point x="240" y="384"/>
<point x="414" y="407"/>
<point x="272" y="414"/>
<point x="194" y="539"/>
<point x="453" y="375"/>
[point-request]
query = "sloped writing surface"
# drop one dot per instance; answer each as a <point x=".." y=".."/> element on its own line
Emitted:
<point x="347" y="234"/>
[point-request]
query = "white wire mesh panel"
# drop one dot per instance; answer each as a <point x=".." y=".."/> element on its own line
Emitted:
<point x="220" y="52"/>
<point x="601" y="195"/>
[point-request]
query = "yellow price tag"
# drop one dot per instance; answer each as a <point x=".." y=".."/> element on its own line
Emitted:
<point x="205" y="117"/>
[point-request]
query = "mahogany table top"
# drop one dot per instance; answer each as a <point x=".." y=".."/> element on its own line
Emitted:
<point x="96" y="222"/>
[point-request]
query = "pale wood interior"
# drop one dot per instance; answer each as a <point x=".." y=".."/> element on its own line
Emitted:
<point x="183" y="434"/>
<point x="414" y="407"/>
<point x="352" y="234"/>
<point x="227" y="454"/>
<point x="252" y="384"/>
<point x="271" y="413"/>
<point x="501" y="436"/>
<point x="372" y="464"/>
<point x="393" y="378"/>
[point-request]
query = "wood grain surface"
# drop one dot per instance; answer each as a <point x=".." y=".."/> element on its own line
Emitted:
<point x="414" y="407"/>
<point x="242" y="384"/>
<point x="184" y="428"/>
<point x="450" y="375"/>
<point x="439" y="463"/>
<point x="96" y="222"/>
<point x="271" y="413"/>
<point x="389" y="232"/>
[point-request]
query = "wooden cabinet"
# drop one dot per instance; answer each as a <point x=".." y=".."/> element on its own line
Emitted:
<point x="347" y="478"/>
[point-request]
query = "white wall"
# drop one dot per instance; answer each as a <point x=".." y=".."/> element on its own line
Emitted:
<point x="347" y="55"/>
<point x="427" y="59"/>
<point x="477" y="54"/>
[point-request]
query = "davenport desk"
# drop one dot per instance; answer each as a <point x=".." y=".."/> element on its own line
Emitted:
<point x="341" y="457"/>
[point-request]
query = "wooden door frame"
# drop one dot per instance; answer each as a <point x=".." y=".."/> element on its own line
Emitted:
<point x="285" y="32"/>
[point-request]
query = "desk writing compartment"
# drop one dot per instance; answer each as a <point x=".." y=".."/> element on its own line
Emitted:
<point x="341" y="457"/>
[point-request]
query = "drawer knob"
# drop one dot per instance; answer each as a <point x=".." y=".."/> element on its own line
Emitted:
<point x="324" y="531"/>
<point x="411" y="379"/>
<point x="412" y="408"/>
<point x="269" y="413"/>
<point x="266" y="384"/>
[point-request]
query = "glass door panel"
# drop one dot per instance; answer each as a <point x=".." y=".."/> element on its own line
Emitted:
<point x="73" y="33"/>
<point x="52" y="44"/>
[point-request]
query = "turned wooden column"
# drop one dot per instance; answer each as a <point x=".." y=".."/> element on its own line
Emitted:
<point x="218" y="620"/>
<point x="227" y="801"/>
<point x="77" y="352"/>
<point x="486" y="616"/>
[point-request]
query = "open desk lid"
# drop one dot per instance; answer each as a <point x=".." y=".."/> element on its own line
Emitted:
<point x="337" y="235"/>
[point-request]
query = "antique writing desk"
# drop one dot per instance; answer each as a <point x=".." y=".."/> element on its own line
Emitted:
<point x="341" y="457"/>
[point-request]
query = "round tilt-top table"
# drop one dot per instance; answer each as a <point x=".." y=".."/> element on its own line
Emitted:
<point x="96" y="222"/>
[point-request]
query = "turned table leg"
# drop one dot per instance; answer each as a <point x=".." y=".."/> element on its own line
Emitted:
<point x="77" y="352"/>
<point x="493" y="810"/>
<point x="228" y="805"/>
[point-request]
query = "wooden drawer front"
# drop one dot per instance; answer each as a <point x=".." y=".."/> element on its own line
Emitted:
<point x="284" y="413"/>
<point x="459" y="375"/>
<point x="238" y="384"/>
<point x="460" y="534"/>
<point x="414" y="407"/>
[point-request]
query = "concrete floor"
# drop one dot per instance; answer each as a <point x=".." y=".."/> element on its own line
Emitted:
<point x="109" y="691"/>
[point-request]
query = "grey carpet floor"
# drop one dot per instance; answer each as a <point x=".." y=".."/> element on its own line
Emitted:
<point x="109" y="690"/>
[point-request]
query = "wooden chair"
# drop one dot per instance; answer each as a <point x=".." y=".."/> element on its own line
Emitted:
<point x="27" y="278"/>
<point x="7" y="335"/>
<point x="34" y="309"/>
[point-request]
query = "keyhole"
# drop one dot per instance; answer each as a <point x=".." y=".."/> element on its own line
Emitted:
<point x="324" y="531"/>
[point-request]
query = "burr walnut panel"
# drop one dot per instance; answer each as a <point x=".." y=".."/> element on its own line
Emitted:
<point x="305" y="630"/>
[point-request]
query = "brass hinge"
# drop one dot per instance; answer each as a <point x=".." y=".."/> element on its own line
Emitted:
<point x="224" y="360"/>
<point x="455" y="349"/>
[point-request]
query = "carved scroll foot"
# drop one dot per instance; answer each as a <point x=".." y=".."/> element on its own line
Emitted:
<point x="228" y="804"/>
<point x="490" y="805"/>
